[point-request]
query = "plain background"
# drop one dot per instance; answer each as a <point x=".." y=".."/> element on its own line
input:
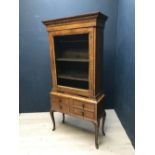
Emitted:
<point x="35" y="73"/>
<point x="145" y="75"/>
<point x="118" y="62"/>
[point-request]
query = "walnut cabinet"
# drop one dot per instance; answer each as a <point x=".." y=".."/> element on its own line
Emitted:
<point x="76" y="53"/>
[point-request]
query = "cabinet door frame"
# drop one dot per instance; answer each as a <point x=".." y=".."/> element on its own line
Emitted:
<point x="91" y="72"/>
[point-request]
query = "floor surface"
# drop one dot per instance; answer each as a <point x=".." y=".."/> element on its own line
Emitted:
<point x="75" y="137"/>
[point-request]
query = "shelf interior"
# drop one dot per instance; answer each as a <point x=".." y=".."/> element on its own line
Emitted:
<point x="72" y="60"/>
<point x="72" y="46"/>
<point x="74" y="76"/>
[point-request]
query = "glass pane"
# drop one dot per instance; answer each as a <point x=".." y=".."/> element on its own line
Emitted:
<point x="72" y="60"/>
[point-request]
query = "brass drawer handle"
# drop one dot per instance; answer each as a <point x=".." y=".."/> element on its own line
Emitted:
<point x="60" y="106"/>
<point x="82" y="113"/>
<point x="60" y="100"/>
<point x="83" y="106"/>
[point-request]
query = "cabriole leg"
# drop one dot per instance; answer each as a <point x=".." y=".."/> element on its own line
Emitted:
<point x="63" y="119"/>
<point x="97" y="124"/>
<point x="53" y="120"/>
<point x="103" y="122"/>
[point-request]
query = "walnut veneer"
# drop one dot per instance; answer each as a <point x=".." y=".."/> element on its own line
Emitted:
<point x="76" y="52"/>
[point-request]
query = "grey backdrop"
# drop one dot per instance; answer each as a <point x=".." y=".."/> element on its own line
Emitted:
<point x="34" y="71"/>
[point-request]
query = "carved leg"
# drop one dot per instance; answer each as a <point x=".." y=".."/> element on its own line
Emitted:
<point x="96" y="134"/>
<point x="99" y="124"/>
<point x="63" y="119"/>
<point x="103" y="122"/>
<point x="53" y="120"/>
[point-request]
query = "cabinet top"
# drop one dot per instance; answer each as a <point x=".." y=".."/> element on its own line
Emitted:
<point x="97" y="16"/>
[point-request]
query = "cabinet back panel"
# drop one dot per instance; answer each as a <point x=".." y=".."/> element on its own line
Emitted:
<point x="72" y="83"/>
<point x="71" y="46"/>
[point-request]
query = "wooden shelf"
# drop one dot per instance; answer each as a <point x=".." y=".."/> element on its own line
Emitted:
<point x="73" y="77"/>
<point x="72" y="59"/>
<point x="73" y="41"/>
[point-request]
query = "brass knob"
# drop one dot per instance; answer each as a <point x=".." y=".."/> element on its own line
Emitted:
<point x="83" y="105"/>
<point x="60" y="106"/>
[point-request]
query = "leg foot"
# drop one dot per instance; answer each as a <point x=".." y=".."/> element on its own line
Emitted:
<point x="63" y="119"/>
<point x="103" y="122"/>
<point x="53" y="120"/>
<point x="96" y="134"/>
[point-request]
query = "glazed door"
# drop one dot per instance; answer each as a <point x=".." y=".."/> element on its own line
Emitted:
<point x="72" y="61"/>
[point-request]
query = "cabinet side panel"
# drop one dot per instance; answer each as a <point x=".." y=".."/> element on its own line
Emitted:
<point x="99" y="61"/>
<point x="52" y="58"/>
<point x="92" y="38"/>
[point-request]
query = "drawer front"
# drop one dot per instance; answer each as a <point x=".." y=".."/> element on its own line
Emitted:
<point x="82" y="113"/>
<point x="76" y="111"/>
<point x="60" y="104"/>
<point x="82" y="109"/>
<point x="89" y="115"/>
<point x="78" y="104"/>
<point x="84" y="106"/>
<point x="89" y="107"/>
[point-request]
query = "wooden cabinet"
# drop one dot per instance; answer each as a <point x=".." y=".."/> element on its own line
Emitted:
<point x="76" y="53"/>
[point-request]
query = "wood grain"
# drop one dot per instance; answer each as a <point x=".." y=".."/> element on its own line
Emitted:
<point x="83" y="101"/>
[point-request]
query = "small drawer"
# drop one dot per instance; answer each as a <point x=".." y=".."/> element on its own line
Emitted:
<point x="77" y="112"/>
<point x="59" y="100"/>
<point x="60" y="104"/>
<point x="89" y="107"/>
<point x="83" y="105"/>
<point x="89" y="115"/>
<point x="78" y="104"/>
